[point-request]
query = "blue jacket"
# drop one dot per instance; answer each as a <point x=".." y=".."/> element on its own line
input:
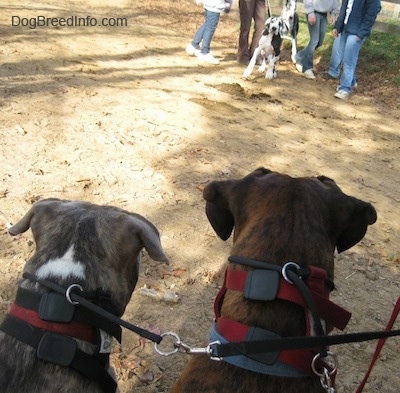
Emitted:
<point x="362" y="17"/>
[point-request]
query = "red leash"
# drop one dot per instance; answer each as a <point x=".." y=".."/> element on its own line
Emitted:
<point x="380" y="344"/>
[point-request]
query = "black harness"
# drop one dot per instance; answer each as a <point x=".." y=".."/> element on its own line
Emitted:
<point x="64" y="309"/>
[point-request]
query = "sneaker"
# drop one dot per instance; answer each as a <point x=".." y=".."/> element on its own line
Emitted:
<point x="343" y="95"/>
<point x="192" y="51"/>
<point x="299" y="67"/>
<point x="353" y="87"/>
<point x="309" y="74"/>
<point x="328" y="76"/>
<point x="208" y="58"/>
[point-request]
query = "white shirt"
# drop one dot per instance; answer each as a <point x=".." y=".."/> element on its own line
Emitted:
<point x="348" y="10"/>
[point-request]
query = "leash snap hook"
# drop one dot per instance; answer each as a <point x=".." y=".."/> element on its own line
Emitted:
<point x="325" y="376"/>
<point x="289" y="266"/>
<point x="68" y="293"/>
<point x="180" y="346"/>
<point x="208" y="350"/>
<point x="326" y="382"/>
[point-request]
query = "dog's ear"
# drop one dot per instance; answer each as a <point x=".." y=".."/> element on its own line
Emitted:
<point x="25" y="222"/>
<point x="361" y="214"/>
<point x="217" y="209"/>
<point x="351" y="215"/>
<point x="149" y="237"/>
<point x="259" y="172"/>
<point x="216" y="195"/>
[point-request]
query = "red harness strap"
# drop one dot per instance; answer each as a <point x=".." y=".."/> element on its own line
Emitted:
<point x="331" y="313"/>
<point x="75" y="329"/>
<point x="316" y="281"/>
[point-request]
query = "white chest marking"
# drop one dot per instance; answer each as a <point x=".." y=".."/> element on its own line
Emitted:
<point x="62" y="267"/>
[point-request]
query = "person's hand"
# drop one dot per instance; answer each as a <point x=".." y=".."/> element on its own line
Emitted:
<point x="335" y="33"/>
<point x="311" y="18"/>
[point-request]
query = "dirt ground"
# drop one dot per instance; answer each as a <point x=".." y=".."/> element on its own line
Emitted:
<point x="122" y="116"/>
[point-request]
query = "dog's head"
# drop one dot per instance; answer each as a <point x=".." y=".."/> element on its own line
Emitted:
<point x="291" y="6"/>
<point x="273" y="25"/>
<point x="277" y="216"/>
<point x="97" y="247"/>
<point x="288" y="16"/>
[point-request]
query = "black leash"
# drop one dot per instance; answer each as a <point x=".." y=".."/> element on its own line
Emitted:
<point x="293" y="343"/>
<point x="269" y="9"/>
<point x="75" y="297"/>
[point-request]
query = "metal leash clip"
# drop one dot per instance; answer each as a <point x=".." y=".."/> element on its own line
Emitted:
<point x="184" y="348"/>
<point x="325" y="375"/>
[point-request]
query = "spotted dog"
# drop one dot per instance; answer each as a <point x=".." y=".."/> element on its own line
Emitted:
<point x="279" y="223"/>
<point x="47" y="342"/>
<point x="290" y="29"/>
<point x="269" y="49"/>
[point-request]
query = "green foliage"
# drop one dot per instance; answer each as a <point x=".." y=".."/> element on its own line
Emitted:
<point x="379" y="54"/>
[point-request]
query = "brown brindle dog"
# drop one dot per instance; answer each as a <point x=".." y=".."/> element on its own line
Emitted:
<point x="48" y="343"/>
<point x="276" y="219"/>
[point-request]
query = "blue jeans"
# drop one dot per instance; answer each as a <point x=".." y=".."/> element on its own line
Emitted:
<point x="345" y="51"/>
<point x="206" y="31"/>
<point x="317" y="34"/>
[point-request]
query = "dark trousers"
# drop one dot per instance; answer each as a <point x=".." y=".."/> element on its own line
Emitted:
<point x="249" y="10"/>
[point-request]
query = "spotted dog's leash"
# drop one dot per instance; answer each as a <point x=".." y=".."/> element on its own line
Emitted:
<point x="269" y="9"/>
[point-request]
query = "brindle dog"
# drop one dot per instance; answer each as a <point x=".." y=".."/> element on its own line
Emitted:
<point x="96" y="247"/>
<point x="276" y="218"/>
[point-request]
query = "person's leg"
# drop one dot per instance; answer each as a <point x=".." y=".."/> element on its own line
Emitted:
<point x="246" y="14"/>
<point x="211" y="23"/>
<point x="198" y="37"/>
<point x="323" y="23"/>
<point x="350" y="60"/>
<point x="259" y="23"/>
<point x="335" y="62"/>
<point x="317" y="32"/>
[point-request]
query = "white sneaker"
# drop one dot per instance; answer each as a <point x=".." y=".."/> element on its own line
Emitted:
<point x="192" y="51"/>
<point x="208" y="58"/>
<point x="343" y="95"/>
<point x="353" y="87"/>
<point x="299" y="67"/>
<point x="309" y="74"/>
